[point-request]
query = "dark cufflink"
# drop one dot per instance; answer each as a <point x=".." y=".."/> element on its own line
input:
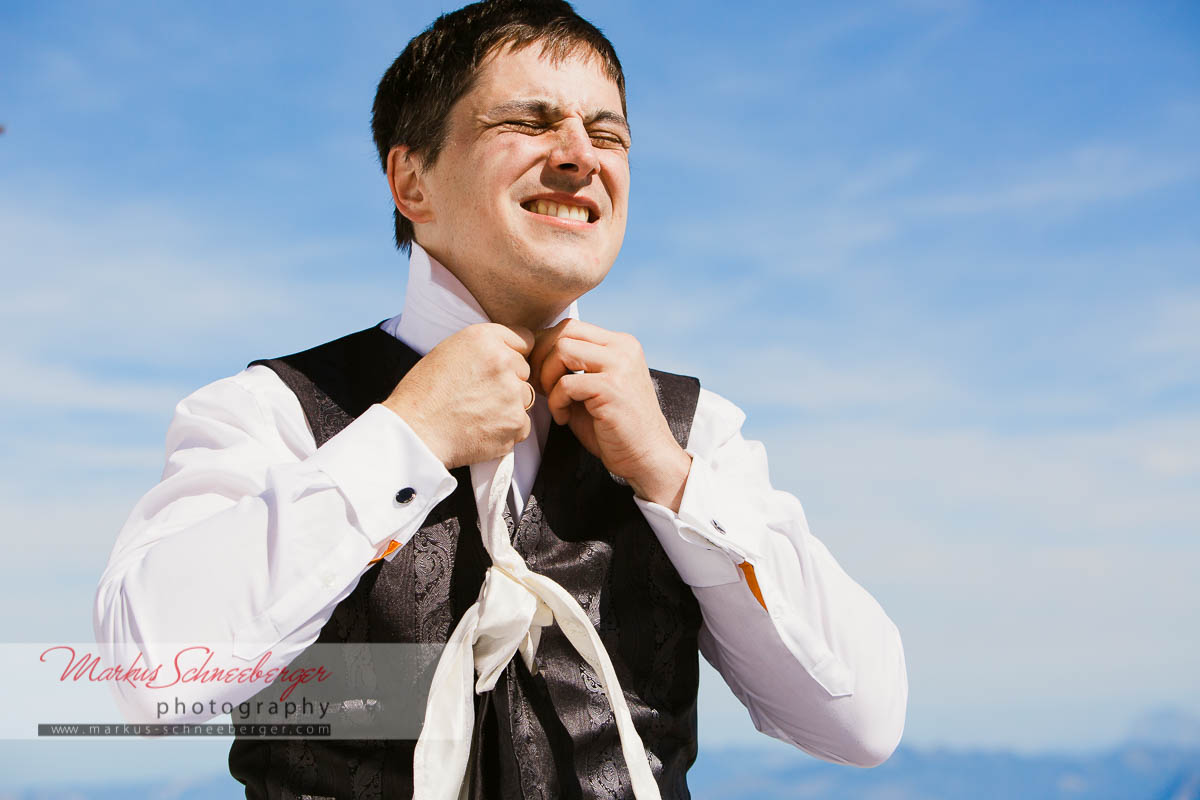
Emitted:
<point x="405" y="495"/>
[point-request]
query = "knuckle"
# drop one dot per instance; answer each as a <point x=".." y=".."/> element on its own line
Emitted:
<point x="496" y="356"/>
<point x="475" y="336"/>
<point x="497" y="335"/>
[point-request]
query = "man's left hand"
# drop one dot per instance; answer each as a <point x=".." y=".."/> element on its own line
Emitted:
<point x="597" y="382"/>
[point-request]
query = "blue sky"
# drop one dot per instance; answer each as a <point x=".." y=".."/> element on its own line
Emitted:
<point x="945" y="254"/>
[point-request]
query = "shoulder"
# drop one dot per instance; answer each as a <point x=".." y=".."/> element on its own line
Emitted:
<point x="254" y="390"/>
<point x="254" y="402"/>
<point x="717" y="421"/>
<point x="364" y="345"/>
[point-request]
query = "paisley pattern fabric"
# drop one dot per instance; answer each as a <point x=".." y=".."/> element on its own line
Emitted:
<point x="549" y="735"/>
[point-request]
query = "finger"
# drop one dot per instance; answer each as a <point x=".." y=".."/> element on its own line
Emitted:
<point x="578" y="329"/>
<point x="519" y="366"/>
<point x="505" y="348"/>
<point x="572" y="328"/>
<point x="543" y="343"/>
<point x="516" y="394"/>
<point x="526" y="429"/>
<point x="572" y="355"/>
<point x="548" y="338"/>
<point x="587" y="388"/>
<point x="518" y="338"/>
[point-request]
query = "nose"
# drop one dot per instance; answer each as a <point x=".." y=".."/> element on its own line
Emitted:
<point x="573" y="155"/>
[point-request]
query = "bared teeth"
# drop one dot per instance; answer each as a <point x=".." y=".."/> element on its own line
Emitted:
<point x="550" y="208"/>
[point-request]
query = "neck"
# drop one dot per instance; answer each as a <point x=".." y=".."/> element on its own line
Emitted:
<point x="521" y="313"/>
<point x="505" y="302"/>
<point x="463" y="297"/>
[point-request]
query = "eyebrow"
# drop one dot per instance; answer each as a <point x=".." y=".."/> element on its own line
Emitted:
<point x="544" y="109"/>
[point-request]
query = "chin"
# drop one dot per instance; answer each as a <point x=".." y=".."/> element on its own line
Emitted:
<point x="571" y="277"/>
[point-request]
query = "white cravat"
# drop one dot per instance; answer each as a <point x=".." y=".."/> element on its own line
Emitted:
<point x="513" y="607"/>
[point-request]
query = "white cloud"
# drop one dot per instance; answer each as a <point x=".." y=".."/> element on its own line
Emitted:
<point x="1054" y="568"/>
<point x="1172" y="328"/>
<point x="1065" y="184"/>
<point x="154" y="287"/>
<point x="881" y="174"/>
<point x="68" y="77"/>
<point x="45" y="386"/>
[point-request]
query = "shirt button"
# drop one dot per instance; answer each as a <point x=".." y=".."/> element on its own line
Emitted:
<point x="716" y="525"/>
<point x="405" y="495"/>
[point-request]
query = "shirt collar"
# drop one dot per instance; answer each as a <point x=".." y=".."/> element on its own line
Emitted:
<point x="437" y="305"/>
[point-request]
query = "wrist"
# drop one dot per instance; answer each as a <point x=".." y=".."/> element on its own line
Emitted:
<point x="426" y="433"/>
<point x="665" y="481"/>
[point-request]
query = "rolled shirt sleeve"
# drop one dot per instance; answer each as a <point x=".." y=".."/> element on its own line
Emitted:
<point x="821" y="666"/>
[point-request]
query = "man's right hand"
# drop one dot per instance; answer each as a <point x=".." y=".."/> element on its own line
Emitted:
<point x="466" y="398"/>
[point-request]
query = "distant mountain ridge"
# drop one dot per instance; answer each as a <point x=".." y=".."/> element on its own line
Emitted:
<point x="1166" y="727"/>
<point x="1134" y="772"/>
<point x="1128" y="773"/>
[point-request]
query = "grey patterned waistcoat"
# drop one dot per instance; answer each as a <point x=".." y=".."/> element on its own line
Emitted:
<point x="549" y="735"/>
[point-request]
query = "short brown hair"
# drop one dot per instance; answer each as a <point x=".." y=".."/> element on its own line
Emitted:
<point x="438" y="67"/>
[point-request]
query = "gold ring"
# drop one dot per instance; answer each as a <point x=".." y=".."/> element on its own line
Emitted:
<point x="532" y="396"/>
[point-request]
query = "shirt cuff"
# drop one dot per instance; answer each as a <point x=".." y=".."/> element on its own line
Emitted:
<point x="389" y="476"/>
<point x="708" y="538"/>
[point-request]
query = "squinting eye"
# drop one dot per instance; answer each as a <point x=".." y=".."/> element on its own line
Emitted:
<point x="607" y="140"/>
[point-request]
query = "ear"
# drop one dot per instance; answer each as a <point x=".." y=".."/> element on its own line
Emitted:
<point x="408" y="188"/>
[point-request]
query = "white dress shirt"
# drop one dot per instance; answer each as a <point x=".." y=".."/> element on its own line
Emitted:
<point x="255" y="534"/>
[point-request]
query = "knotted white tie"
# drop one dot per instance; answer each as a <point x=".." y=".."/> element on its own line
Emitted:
<point x="514" y="605"/>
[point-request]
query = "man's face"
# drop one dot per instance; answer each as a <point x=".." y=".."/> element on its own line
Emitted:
<point x="529" y="195"/>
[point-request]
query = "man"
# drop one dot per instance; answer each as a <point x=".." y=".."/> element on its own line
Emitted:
<point x="327" y="495"/>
